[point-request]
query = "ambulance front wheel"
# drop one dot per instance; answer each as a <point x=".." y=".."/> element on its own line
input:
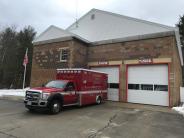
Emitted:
<point x="98" y="100"/>
<point x="55" y="107"/>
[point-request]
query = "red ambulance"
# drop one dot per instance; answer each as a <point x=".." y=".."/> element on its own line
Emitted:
<point x="71" y="87"/>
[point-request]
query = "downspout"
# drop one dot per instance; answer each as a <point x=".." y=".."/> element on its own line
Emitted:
<point x="178" y="41"/>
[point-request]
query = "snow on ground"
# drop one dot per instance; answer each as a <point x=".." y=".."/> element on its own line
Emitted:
<point x="13" y="92"/>
<point x="179" y="109"/>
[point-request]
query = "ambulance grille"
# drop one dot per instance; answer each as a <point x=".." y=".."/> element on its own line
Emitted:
<point x="32" y="96"/>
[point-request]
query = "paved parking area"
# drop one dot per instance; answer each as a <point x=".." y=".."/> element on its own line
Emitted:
<point x="97" y="121"/>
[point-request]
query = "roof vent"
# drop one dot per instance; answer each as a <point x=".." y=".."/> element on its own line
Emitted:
<point x="92" y="16"/>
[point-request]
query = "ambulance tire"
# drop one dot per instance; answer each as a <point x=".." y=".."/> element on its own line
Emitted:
<point x="55" y="107"/>
<point x="98" y="100"/>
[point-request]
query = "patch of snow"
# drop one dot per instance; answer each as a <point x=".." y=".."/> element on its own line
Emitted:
<point x="13" y="92"/>
<point x="179" y="109"/>
<point x="182" y="94"/>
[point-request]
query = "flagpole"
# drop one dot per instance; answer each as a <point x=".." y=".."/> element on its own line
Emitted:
<point x="25" y="71"/>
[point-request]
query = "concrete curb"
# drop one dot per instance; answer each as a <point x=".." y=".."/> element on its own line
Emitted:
<point x="12" y="98"/>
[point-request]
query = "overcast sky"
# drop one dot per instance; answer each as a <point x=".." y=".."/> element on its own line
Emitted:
<point x="42" y="13"/>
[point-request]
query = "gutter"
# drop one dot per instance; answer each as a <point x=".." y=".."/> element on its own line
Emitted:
<point x="60" y="39"/>
<point x="135" y="38"/>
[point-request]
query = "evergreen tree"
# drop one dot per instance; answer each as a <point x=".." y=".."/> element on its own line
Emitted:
<point x="25" y="38"/>
<point x="181" y="28"/>
<point x="8" y="61"/>
<point x="13" y="46"/>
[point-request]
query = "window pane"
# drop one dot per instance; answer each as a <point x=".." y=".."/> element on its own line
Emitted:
<point x="64" y="54"/>
<point x="146" y="87"/>
<point x="160" y="87"/>
<point x="113" y="85"/>
<point x="133" y="86"/>
<point x="70" y="86"/>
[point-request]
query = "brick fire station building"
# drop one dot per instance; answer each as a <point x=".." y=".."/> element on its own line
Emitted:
<point x="143" y="59"/>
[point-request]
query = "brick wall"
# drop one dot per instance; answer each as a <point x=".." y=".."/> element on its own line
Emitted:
<point x="175" y="76"/>
<point x="46" y="59"/>
<point x="150" y="48"/>
<point x="79" y="54"/>
<point x="164" y="47"/>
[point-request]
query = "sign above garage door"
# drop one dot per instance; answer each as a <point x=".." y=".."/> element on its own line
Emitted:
<point x="146" y="61"/>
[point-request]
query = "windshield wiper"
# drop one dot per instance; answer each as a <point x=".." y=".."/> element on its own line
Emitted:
<point x="52" y="87"/>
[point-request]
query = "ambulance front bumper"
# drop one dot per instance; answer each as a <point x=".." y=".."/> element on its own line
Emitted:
<point x="39" y="103"/>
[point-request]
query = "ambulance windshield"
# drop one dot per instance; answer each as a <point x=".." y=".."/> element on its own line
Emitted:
<point x="56" y="84"/>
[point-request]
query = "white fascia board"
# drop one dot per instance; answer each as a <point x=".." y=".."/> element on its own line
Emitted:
<point x="53" y="40"/>
<point x="135" y="38"/>
<point x="82" y="39"/>
<point x="61" y="39"/>
<point x="178" y="41"/>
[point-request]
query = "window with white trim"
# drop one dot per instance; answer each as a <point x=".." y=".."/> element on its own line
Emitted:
<point x="64" y="54"/>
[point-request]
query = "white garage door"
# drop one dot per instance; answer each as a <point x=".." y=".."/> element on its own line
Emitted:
<point x="148" y="84"/>
<point x="113" y="81"/>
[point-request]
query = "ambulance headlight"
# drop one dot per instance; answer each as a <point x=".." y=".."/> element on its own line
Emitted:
<point x="45" y="96"/>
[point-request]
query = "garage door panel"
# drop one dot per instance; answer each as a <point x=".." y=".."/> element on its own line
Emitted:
<point x="147" y="97"/>
<point x="113" y="94"/>
<point x="148" y="74"/>
<point x="113" y="81"/>
<point x="148" y="84"/>
<point x="113" y="73"/>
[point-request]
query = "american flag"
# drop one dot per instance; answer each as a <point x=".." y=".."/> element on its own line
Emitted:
<point x="25" y="58"/>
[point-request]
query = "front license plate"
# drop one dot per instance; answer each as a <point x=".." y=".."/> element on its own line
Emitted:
<point x="29" y="103"/>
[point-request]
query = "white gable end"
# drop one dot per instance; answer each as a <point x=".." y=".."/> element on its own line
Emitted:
<point x="99" y="25"/>
<point x="51" y="33"/>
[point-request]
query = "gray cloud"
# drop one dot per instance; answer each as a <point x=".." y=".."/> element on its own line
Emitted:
<point x="161" y="11"/>
<point x="41" y="14"/>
